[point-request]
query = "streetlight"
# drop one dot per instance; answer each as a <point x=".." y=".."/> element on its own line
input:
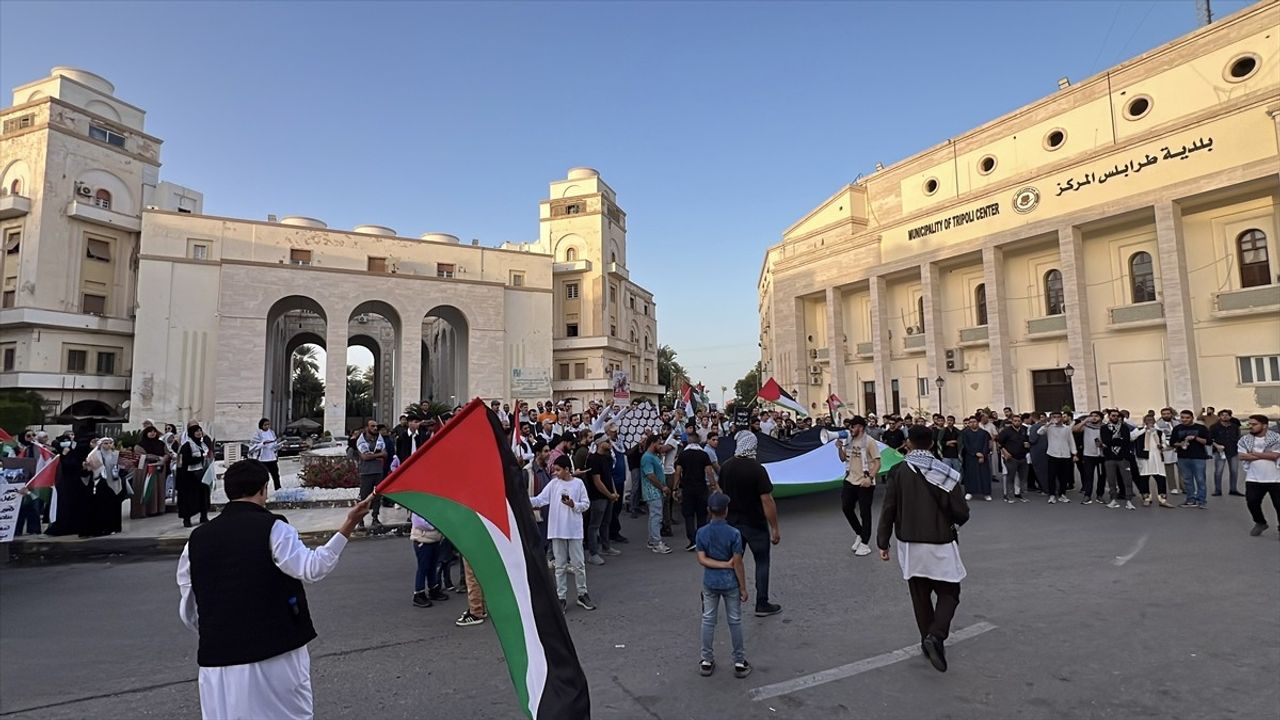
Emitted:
<point x="940" y="382"/>
<point x="1068" y="371"/>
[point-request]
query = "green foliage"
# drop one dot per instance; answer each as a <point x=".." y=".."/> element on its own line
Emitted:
<point x="329" y="472"/>
<point x="307" y="385"/>
<point x="670" y="372"/>
<point x="425" y="410"/>
<point x="128" y="440"/>
<point x="744" y="391"/>
<point x="19" y="409"/>
<point x="359" y="391"/>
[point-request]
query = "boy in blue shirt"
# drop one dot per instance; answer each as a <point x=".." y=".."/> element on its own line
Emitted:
<point x="719" y="548"/>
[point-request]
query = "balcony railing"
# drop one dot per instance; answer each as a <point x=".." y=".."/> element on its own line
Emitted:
<point x="12" y="206"/>
<point x="974" y="335"/>
<point x="1051" y="325"/>
<point x="1248" y="299"/>
<point x="914" y="343"/>
<point x="574" y="266"/>
<point x="864" y="349"/>
<point x="1137" y="314"/>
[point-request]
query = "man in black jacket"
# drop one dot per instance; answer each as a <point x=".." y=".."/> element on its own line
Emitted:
<point x="1117" y="457"/>
<point x="923" y="505"/>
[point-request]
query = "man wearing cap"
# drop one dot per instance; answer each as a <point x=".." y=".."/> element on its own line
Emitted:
<point x="241" y="582"/>
<point x="753" y="512"/>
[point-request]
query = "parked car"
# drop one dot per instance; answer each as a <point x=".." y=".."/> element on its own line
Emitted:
<point x="291" y="446"/>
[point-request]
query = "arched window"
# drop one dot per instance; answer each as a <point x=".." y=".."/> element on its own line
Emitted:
<point x="102" y="199"/>
<point x="920" y="313"/>
<point x="613" y="258"/>
<point x="1255" y="263"/>
<point x="15" y="187"/>
<point x="1054" y="301"/>
<point x="571" y="255"/>
<point x="1142" y="278"/>
<point x="980" y="304"/>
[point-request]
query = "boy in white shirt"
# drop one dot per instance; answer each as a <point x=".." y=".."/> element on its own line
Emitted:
<point x="565" y="498"/>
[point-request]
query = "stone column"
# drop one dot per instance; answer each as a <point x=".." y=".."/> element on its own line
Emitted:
<point x="1183" y="368"/>
<point x="1084" y="383"/>
<point x="409" y="379"/>
<point x="836" y="344"/>
<point x="880" y="344"/>
<point x="934" y="339"/>
<point x="335" y="374"/>
<point x="1002" y="385"/>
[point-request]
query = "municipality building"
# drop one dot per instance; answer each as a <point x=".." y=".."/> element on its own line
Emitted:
<point x="1111" y="245"/>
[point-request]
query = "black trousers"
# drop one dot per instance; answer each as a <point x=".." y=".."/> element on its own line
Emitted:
<point x="1144" y="484"/>
<point x="855" y="501"/>
<point x="1059" y="475"/>
<point x="757" y="539"/>
<point x="1088" y="473"/>
<point x="273" y="467"/>
<point x="934" y="619"/>
<point x="693" y="507"/>
<point x="1253" y="494"/>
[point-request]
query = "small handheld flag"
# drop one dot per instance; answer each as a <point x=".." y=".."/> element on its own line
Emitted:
<point x="772" y="392"/>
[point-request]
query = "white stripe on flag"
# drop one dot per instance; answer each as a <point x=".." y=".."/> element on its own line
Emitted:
<point x="512" y="553"/>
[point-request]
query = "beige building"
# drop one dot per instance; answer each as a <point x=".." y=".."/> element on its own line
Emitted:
<point x="1113" y="244"/>
<point x="76" y="172"/>
<point x="123" y="300"/>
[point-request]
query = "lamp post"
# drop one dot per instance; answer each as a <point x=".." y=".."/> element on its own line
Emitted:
<point x="940" y="382"/>
<point x="1070" y="371"/>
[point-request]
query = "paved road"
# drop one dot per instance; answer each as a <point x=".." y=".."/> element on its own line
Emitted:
<point x="1187" y="628"/>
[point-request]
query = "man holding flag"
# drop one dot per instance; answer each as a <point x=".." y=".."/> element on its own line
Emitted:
<point x="861" y="456"/>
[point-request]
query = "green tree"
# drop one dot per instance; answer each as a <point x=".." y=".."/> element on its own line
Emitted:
<point x="670" y="373"/>
<point x="306" y="385"/>
<point x="20" y="408"/>
<point x="744" y="391"/>
<point x="359" y="391"/>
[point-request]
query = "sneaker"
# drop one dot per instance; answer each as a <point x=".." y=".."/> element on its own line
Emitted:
<point x="1064" y="498"/>
<point x="1258" y="529"/>
<point x="1019" y="498"/>
<point x="768" y="609"/>
<point x="1188" y="504"/>
<point x="420" y="599"/>
<point x="691" y="547"/>
<point x="1235" y="493"/>
<point x="584" y="602"/>
<point x="595" y="560"/>
<point x="611" y="552"/>
<point x="1128" y="505"/>
<point x="436" y="594"/>
<point x="1007" y="499"/>
<point x="1146" y="501"/>
<point x="987" y="498"/>
<point x="706" y="667"/>
<point x="661" y="549"/>
<point x="968" y="496"/>
<point x="1163" y="502"/>
<point x="1175" y="491"/>
<point x="1203" y="506"/>
<point x="862" y="550"/>
<point x="1218" y="494"/>
<point x="466" y="619"/>
<point x="1053" y="499"/>
<point x="741" y="669"/>
<point x="1113" y="504"/>
<point x="1087" y="501"/>
<point x="618" y="539"/>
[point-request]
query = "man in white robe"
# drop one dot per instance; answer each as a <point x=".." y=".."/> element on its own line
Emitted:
<point x="249" y="609"/>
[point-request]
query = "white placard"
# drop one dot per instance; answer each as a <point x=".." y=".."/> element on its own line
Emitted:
<point x="10" y="501"/>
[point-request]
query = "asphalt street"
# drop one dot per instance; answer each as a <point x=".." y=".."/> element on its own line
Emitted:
<point x="1097" y="613"/>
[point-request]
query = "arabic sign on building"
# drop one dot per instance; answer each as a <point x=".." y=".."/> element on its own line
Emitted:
<point x="1133" y="166"/>
<point x="530" y="383"/>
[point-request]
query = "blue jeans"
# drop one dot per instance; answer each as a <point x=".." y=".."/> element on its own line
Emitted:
<point x="1191" y="471"/>
<point x="733" y="614"/>
<point x="1231" y="464"/>
<point x="954" y="464"/>
<point x="655" y="522"/>
<point x="428" y="571"/>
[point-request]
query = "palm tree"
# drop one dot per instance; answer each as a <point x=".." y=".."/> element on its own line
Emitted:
<point x="306" y="357"/>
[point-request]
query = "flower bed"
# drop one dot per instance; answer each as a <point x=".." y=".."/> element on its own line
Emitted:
<point x="329" y="472"/>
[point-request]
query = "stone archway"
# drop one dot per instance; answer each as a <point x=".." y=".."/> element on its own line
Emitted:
<point x="445" y="352"/>
<point x="375" y="325"/>
<point x="292" y="321"/>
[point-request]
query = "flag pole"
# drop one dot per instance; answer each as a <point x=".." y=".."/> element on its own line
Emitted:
<point x="831" y="408"/>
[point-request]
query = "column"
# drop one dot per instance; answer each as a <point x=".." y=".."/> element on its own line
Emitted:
<point x="1084" y="383"/>
<point x="880" y="343"/>
<point x="335" y="374"/>
<point x="1183" y="367"/>
<point x="1002" y="385"/>
<point x="836" y="344"/>
<point x="409" y="377"/>
<point x="934" y="341"/>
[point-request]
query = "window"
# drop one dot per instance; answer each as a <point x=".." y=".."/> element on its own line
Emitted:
<point x="8" y="299"/>
<point x="647" y="342"/>
<point x="922" y="387"/>
<point x="633" y="336"/>
<point x="93" y="304"/>
<point x="517" y="279"/>
<point x="571" y="329"/>
<point x="1055" y="139"/>
<point x="1241" y="68"/>
<point x="12" y="242"/>
<point x="9" y="359"/>
<point x="445" y="270"/>
<point x="920" y="313"/>
<point x="613" y="329"/>
<point x="106" y="363"/>
<point x="1137" y="107"/>
<point x="930" y="186"/>
<point x="613" y="293"/>
<point x="980" y="304"/>
<point x="1054" y="301"/>
<point x="563" y="371"/>
<point x="613" y="258"/>
<point x="15" y="187"/>
<point x="102" y="198"/>
<point x="1255" y="263"/>
<point x="1142" y="278"/>
<point x="986" y="164"/>
<point x="377" y="264"/>
<point x="77" y="360"/>
<point x="632" y="302"/>
<point x="107" y="136"/>
<point x="299" y="257"/>
<point x="646" y="373"/>
<point x="571" y="291"/>
<point x="572" y="209"/>
<point x="19" y="123"/>
<point x="199" y="251"/>
<point x="1259" y="369"/>
<point x="579" y="371"/>
<point x="571" y="255"/>
<point x="98" y="250"/>
<point x="646" y="309"/>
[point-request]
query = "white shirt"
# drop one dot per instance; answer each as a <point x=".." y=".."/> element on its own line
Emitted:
<point x="1260" y="471"/>
<point x="563" y="523"/>
<point x="265" y="445"/>
<point x="1061" y="444"/>
<point x="768" y="426"/>
<point x="289" y="554"/>
<point x="931" y="560"/>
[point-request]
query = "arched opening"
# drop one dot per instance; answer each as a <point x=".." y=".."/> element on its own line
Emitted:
<point x="980" y="304"/>
<point x="1054" y="300"/>
<point x="445" y="338"/>
<point x="15" y="187"/>
<point x="1255" y="260"/>
<point x="920" y="314"/>
<point x="571" y="254"/>
<point x="1142" y="278"/>
<point x="102" y="198"/>
<point x="293" y="388"/>
<point x="371" y="378"/>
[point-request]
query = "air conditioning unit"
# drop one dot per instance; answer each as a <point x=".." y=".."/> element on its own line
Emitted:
<point x="955" y="359"/>
<point x="815" y="380"/>
<point x="84" y="190"/>
<point x="813" y="353"/>
<point x="815" y="369"/>
<point x="362" y="319"/>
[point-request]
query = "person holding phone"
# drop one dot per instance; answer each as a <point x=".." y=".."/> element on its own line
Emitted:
<point x="1061" y="451"/>
<point x="1191" y="439"/>
<point x="862" y="465"/>
<point x="565" y="498"/>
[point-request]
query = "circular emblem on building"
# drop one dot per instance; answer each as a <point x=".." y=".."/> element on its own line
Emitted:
<point x="1026" y="200"/>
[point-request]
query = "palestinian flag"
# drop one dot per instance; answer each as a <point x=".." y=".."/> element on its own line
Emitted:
<point x="888" y="456"/>
<point x="772" y="392"/>
<point x="686" y="397"/>
<point x="834" y="403"/>
<point x="46" y="469"/>
<point x="466" y="482"/>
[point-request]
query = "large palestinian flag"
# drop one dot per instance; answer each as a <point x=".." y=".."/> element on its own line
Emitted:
<point x="807" y="462"/>
<point x="465" y="481"/>
<point x="772" y="392"/>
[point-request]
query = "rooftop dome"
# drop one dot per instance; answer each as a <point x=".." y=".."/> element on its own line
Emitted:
<point x="441" y="238"/>
<point x="374" y="230"/>
<point x="84" y="77"/>
<point x="302" y="221"/>
<point x="582" y="173"/>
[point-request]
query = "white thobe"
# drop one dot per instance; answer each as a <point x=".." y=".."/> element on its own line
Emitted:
<point x="278" y="687"/>
<point x="931" y="560"/>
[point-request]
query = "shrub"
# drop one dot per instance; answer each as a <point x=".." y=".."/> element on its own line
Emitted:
<point x="329" y="472"/>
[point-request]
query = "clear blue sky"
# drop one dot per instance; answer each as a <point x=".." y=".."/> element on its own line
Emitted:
<point x="719" y="124"/>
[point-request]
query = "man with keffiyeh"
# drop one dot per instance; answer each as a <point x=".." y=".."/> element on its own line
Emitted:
<point x="753" y="512"/>
<point x="923" y="505"/>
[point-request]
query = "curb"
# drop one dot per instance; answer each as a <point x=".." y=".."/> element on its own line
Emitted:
<point x="116" y="549"/>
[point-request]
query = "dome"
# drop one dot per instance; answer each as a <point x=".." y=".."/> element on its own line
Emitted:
<point x="374" y="230"/>
<point x="84" y="77"/>
<point x="582" y="173"/>
<point x="302" y="221"/>
<point x="441" y="238"/>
